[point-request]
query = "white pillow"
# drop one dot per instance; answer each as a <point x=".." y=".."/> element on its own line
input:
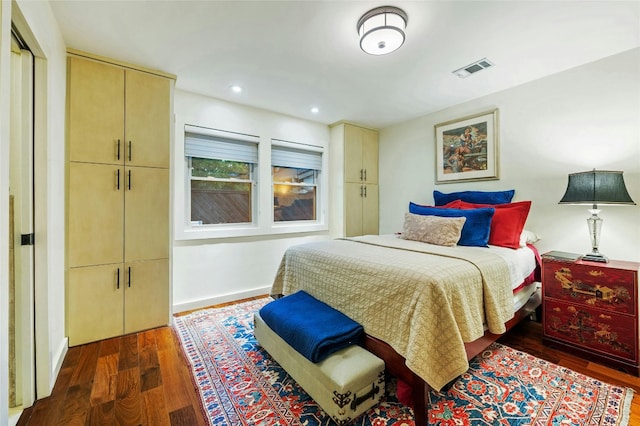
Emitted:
<point x="528" y="237"/>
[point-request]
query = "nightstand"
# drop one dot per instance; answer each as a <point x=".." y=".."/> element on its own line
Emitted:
<point x="591" y="309"/>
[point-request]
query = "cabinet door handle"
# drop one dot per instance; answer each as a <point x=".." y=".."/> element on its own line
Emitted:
<point x="118" y="180"/>
<point x="118" y="154"/>
<point x="129" y="150"/>
<point x="129" y="180"/>
<point x="361" y="171"/>
<point x="361" y="189"/>
<point x="118" y="279"/>
<point x="129" y="277"/>
<point x="365" y="175"/>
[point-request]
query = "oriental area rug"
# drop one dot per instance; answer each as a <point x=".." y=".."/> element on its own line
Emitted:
<point x="240" y="384"/>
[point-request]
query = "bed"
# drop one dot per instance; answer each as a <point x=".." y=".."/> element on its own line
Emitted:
<point x="426" y="309"/>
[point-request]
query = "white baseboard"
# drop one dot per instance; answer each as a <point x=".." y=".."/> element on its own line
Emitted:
<point x="203" y="303"/>
<point x="57" y="363"/>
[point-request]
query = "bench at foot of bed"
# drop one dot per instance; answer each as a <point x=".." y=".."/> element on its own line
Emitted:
<point x="346" y="384"/>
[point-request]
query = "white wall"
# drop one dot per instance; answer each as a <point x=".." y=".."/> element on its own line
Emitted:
<point x="587" y="117"/>
<point x="39" y="28"/>
<point x="215" y="270"/>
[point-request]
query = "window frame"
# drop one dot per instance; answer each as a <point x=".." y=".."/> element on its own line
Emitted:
<point x="302" y="148"/>
<point x="263" y="224"/>
<point x="251" y="181"/>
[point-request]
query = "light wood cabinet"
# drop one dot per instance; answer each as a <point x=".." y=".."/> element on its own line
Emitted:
<point x="357" y="163"/>
<point x="118" y="200"/>
<point x="95" y="231"/>
<point x="360" y="154"/>
<point x="95" y="309"/>
<point x="102" y="98"/>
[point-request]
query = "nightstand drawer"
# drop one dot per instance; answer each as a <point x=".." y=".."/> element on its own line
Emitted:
<point x="594" y="330"/>
<point x="589" y="285"/>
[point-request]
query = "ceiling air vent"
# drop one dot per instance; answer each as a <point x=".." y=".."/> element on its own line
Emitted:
<point x="466" y="71"/>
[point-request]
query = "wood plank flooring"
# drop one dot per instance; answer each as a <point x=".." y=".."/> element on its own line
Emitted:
<point x="143" y="379"/>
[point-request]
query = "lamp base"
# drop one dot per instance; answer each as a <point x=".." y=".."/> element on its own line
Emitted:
<point x="595" y="257"/>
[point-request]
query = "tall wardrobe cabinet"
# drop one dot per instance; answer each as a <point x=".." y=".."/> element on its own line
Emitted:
<point x="118" y="147"/>
<point x="355" y="164"/>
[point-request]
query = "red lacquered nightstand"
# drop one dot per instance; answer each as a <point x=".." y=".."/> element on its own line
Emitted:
<point x="591" y="309"/>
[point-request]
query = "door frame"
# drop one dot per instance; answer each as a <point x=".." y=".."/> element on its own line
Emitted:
<point x="45" y="373"/>
<point x="21" y="128"/>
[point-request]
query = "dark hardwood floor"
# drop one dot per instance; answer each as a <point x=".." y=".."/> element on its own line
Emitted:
<point x="143" y="379"/>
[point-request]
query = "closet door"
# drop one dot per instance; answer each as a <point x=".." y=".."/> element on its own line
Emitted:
<point x="370" y="155"/>
<point x="146" y="295"/>
<point x="353" y="170"/>
<point x="95" y="308"/>
<point x="353" y="193"/>
<point x="370" y="206"/>
<point x="96" y="112"/>
<point x="95" y="214"/>
<point x="146" y="214"/>
<point x="147" y="109"/>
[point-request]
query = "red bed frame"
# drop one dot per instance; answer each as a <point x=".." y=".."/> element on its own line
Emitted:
<point x="395" y="363"/>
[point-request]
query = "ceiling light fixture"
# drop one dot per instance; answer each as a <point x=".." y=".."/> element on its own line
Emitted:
<point x="315" y="110"/>
<point x="381" y="30"/>
<point x="236" y="89"/>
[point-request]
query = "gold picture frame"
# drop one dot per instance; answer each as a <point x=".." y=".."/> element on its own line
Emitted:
<point x="467" y="148"/>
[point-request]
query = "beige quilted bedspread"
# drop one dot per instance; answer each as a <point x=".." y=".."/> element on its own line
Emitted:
<point x="421" y="299"/>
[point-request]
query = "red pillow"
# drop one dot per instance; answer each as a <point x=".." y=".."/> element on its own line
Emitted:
<point x="507" y="222"/>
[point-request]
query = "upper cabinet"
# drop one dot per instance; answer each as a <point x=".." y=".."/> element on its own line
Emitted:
<point x="119" y="115"/>
<point x="360" y="154"/>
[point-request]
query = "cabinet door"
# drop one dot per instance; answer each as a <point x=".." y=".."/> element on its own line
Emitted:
<point x="370" y="155"/>
<point x="146" y="302"/>
<point x="96" y="112"/>
<point x="94" y="303"/>
<point x="95" y="214"/>
<point x="603" y="287"/>
<point x="353" y="170"/>
<point x="146" y="213"/>
<point x="353" y="209"/>
<point x="595" y="330"/>
<point x="370" y="210"/>
<point x="147" y="110"/>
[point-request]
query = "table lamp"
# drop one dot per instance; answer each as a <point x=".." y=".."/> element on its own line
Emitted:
<point x="596" y="187"/>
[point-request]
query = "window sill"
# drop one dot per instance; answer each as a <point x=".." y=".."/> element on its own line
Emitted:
<point x="210" y="232"/>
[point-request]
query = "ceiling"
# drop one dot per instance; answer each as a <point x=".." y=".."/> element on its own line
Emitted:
<point x="290" y="56"/>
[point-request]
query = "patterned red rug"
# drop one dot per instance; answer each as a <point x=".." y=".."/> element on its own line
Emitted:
<point x="240" y="384"/>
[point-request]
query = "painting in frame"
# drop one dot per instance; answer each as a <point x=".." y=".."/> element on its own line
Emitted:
<point x="467" y="148"/>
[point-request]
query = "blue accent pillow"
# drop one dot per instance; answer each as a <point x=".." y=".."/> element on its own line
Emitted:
<point x="475" y="231"/>
<point x="476" y="197"/>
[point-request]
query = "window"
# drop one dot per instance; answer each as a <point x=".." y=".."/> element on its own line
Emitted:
<point x="295" y="172"/>
<point x="222" y="172"/>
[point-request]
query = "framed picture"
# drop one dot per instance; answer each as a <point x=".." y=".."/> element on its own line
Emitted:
<point x="467" y="148"/>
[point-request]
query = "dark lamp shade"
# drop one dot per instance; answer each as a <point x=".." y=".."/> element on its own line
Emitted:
<point x="596" y="187"/>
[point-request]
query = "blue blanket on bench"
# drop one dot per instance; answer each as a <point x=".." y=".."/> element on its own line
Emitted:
<point x="310" y="326"/>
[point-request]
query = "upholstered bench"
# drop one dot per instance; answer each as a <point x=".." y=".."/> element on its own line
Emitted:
<point x="345" y="384"/>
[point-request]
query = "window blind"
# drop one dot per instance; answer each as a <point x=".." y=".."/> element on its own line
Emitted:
<point x="297" y="158"/>
<point x="218" y="147"/>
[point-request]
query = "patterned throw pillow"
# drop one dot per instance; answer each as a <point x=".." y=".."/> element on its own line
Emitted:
<point x="442" y="231"/>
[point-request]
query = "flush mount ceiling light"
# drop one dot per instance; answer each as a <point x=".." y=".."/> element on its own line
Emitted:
<point x="381" y="30"/>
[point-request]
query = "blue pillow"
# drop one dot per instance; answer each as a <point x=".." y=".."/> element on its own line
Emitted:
<point x="475" y="231"/>
<point x="476" y="197"/>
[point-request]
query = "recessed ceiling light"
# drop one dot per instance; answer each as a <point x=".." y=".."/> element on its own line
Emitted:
<point x="236" y="88"/>
<point x="315" y="110"/>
